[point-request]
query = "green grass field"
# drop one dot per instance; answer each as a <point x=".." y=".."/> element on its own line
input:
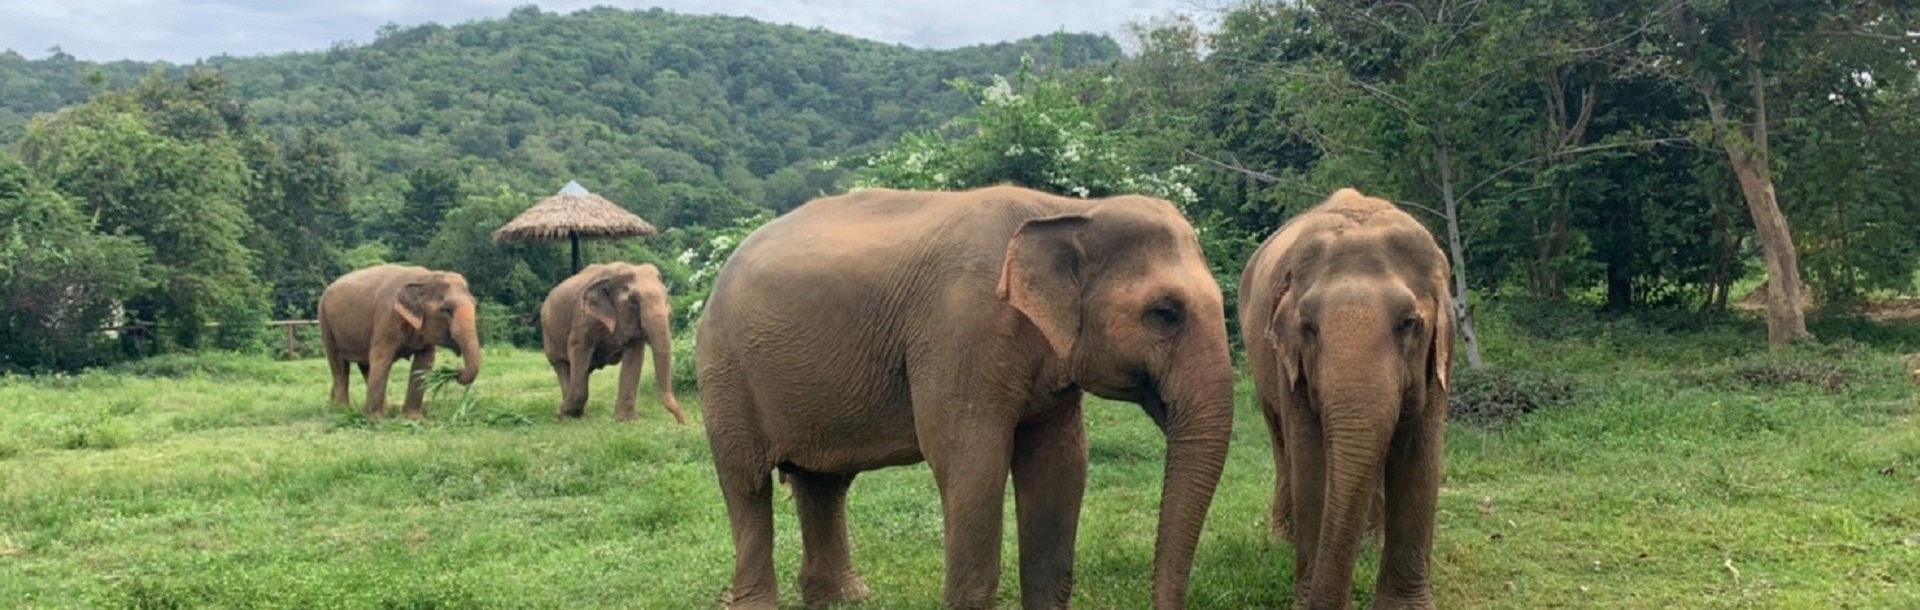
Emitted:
<point x="1694" y="475"/>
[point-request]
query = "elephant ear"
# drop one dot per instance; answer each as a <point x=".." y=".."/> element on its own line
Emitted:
<point x="1440" y="351"/>
<point x="1040" y="277"/>
<point x="598" y="301"/>
<point x="411" y="304"/>
<point x="1281" y="322"/>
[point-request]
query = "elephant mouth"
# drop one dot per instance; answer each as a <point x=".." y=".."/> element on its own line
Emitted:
<point x="1147" y="394"/>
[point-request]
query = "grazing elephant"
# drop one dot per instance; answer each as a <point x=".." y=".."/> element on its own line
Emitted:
<point x="607" y="314"/>
<point x="1349" y="328"/>
<point x="886" y="327"/>
<point x="379" y="314"/>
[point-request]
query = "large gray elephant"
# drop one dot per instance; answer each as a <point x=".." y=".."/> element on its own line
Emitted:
<point x="1348" y="323"/>
<point x="886" y="327"/>
<point x="606" y="314"/>
<point x="376" y="315"/>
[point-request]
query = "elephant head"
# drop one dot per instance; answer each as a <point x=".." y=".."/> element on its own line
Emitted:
<point x="1362" y="327"/>
<point x="1123" y="295"/>
<point x="629" y="302"/>
<point x="440" y="309"/>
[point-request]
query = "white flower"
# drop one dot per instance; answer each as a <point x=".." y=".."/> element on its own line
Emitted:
<point x="1016" y="150"/>
<point x="1000" y="93"/>
<point x="1079" y="190"/>
<point x="686" y="256"/>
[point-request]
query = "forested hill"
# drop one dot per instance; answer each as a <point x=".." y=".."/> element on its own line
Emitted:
<point x="649" y="106"/>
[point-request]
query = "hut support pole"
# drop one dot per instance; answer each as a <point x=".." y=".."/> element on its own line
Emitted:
<point x="573" y="237"/>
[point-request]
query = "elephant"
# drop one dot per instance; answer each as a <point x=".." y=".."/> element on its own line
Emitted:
<point x="376" y="315"/>
<point x="888" y="327"/>
<point x="1347" y="319"/>
<point x="606" y="314"/>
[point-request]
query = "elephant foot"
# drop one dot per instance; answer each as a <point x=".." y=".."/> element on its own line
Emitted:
<point x="1418" y="601"/>
<point x="728" y="602"/>
<point x="416" y="415"/>
<point x="626" y="414"/>
<point x="821" y="593"/>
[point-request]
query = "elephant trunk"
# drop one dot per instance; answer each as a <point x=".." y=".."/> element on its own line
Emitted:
<point x="1357" y="433"/>
<point x="660" y="341"/>
<point x="466" y="335"/>
<point x="1199" y="425"/>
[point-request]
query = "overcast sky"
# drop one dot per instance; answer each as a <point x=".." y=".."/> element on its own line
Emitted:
<point x="183" y="30"/>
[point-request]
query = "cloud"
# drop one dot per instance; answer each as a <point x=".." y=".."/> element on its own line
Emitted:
<point x="183" y="30"/>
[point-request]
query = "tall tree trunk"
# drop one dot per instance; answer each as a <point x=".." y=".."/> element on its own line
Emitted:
<point x="1564" y="131"/>
<point x="1462" y="309"/>
<point x="1747" y="153"/>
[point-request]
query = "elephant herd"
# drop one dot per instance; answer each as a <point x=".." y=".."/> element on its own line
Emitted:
<point x="605" y="314"/>
<point x="887" y="327"/>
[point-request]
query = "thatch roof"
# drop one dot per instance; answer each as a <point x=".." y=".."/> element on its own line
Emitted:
<point x="572" y="210"/>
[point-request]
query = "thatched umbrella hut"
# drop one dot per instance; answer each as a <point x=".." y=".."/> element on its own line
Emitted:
<point x="572" y="213"/>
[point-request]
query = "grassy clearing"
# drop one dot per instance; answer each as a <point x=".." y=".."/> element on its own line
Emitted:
<point x="1688" y="475"/>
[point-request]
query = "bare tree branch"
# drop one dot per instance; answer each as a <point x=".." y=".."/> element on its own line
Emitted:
<point x="1570" y="151"/>
<point x="1268" y="178"/>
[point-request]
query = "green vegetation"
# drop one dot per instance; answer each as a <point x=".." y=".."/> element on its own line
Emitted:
<point x="227" y="481"/>
<point x="1599" y="170"/>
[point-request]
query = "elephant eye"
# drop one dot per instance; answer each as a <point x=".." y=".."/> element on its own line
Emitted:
<point x="1309" y="330"/>
<point x="1164" y="314"/>
<point x="1407" y="325"/>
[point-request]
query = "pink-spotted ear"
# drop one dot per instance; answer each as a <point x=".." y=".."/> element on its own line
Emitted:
<point x="1280" y="324"/>
<point x="1039" y="277"/>
<point x="409" y="306"/>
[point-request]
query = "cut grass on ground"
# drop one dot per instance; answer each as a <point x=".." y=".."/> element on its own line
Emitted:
<point x="222" y="481"/>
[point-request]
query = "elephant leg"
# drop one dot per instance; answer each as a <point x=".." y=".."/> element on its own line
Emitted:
<point x="747" y="486"/>
<point x="561" y="371"/>
<point x="1282" y="491"/>
<point x="971" y="459"/>
<point x="379" y="365"/>
<point x="580" y="364"/>
<point x="1049" y="481"/>
<point x="338" y="367"/>
<point x="1414" y="464"/>
<point x="629" y="378"/>
<point x="416" y="387"/>
<point x="826" y="560"/>
<point x="1307" y="471"/>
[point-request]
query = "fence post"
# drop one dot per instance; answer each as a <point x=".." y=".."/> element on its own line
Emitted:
<point x="291" y="343"/>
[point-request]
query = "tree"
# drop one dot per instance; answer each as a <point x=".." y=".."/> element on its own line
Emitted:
<point x="1738" y="57"/>
<point x="160" y="162"/>
<point x="301" y="204"/>
<point x="431" y="193"/>
<point x="60" y="280"/>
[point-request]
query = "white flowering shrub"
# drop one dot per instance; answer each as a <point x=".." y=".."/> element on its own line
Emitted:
<point x="705" y="262"/>
<point x="1034" y="132"/>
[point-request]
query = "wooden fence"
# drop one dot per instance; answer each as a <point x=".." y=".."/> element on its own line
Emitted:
<point x="289" y="326"/>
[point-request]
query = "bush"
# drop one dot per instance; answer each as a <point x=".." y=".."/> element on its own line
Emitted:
<point x="1497" y="396"/>
<point x="60" y="281"/>
<point x="1832" y="368"/>
<point x="500" y="326"/>
<point x="686" y="371"/>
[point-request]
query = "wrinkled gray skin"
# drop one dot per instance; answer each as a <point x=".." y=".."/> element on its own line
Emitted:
<point x="374" y="316"/>
<point x="607" y="314"/>
<point x="886" y="327"/>
<point x="1348" y="323"/>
